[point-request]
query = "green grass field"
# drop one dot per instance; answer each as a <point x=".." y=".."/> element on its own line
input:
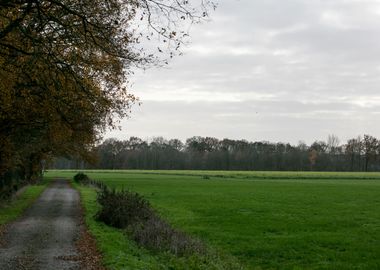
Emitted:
<point x="268" y="220"/>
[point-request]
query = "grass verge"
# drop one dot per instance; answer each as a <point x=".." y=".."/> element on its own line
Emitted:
<point x="10" y="210"/>
<point x="120" y="252"/>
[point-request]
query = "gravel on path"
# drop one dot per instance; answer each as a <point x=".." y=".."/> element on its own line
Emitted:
<point x="45" y="236"/>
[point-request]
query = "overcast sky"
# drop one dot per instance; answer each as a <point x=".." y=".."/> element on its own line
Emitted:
<point x="275" y="70"/>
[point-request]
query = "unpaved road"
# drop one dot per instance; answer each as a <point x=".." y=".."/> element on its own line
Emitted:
<point x="44" y="237"/>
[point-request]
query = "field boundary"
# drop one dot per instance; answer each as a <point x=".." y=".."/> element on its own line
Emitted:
<point x="245" y="175"/>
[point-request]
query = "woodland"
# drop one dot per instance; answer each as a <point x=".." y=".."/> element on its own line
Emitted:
<point x="207" y="153"/>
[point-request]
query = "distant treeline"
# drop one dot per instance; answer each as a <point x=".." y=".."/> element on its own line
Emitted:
<point x="207" y="153"/>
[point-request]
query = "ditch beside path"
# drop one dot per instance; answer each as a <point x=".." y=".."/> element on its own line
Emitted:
<point x="45" y="236"/>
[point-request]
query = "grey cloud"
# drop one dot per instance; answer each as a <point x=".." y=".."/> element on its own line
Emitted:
<point x="269" y="70"/>
<point x="288" y="121"/>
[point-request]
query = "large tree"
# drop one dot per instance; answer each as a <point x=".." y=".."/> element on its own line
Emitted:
<point x="65" y="65"/>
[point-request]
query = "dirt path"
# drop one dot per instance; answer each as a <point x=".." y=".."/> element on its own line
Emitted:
<point x="44" y="238"/>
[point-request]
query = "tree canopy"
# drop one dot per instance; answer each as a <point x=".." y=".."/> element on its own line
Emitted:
<point x="208" y="153"/>
<point x="65" y="66"/>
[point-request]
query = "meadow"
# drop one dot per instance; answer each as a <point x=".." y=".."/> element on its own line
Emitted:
<point x="268" y="220"/>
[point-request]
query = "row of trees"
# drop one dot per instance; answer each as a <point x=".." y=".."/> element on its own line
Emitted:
<point x="207" y="153"/>
<point x="64" y="65"/>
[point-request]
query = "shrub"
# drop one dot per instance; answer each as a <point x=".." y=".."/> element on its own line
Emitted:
<point x="10" y="182"/>
<point x="81" y="178"/>
<point x="122" y="208"/>
<point x="127" y="210"/>
<point x="156" y="234"/>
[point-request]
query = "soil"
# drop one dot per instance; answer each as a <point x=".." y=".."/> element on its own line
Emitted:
<point x="50" y="234"/>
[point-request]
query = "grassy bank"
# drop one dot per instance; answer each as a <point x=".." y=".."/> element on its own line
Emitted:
<point x="10" y="210"/>
<point x="302" y="222"/>
<point x="121" y="253"/>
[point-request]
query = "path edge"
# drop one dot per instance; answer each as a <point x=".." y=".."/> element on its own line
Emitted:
<point x="89" y="255"/>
